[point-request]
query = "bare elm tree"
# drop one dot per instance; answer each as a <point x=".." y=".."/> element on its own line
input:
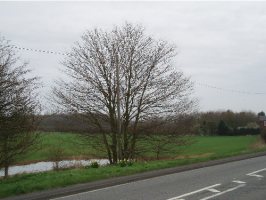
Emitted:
<point x="119" y="79"/>
<point x="17" y="107"/>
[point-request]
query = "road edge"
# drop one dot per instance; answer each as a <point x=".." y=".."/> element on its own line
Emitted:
<point x="77" y="188"/>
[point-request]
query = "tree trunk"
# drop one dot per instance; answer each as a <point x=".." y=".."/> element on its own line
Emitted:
<point x="6" y="163"/>
<point x="114" y="150"/>
<point x="107" y="148"/>
<point x="157" y="154"/>
<point x="6" y="170"/>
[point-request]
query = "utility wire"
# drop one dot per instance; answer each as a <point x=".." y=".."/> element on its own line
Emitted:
<point x="198" y="83"/>
<point x="230" y="90"/>
<point x="39" y="50"/>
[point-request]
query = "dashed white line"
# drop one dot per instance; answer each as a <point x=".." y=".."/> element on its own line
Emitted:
<point x="255" y="173"/>
<point x="226" y="191"/>
<point x="213" y="190"/>
<point x="194" y="192"/>
<point x="240" y="182"/>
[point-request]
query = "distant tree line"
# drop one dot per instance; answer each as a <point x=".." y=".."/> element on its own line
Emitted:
<point x="227" y="123"/>
<point x="204" y="123"/>
<point x="64" y="123"/>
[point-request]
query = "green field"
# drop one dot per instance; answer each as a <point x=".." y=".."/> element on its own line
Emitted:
<point x="75" y="147"/>
<point x="201" y="149"/>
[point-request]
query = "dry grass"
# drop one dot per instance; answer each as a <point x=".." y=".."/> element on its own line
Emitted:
<point x="204" y="155"/>
<point x="259" y="144"/>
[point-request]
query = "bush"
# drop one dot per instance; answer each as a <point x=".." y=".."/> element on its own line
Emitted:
<point x="223" y="129"/>
<point x="94" y="164"/>
<point x="56" y="155"/>
<point x="246" y="131"/>
<point x="124" y="163"/>
<point x="263" y="135"/>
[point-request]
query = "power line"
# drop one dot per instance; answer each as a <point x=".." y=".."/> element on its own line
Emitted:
<point x="230" y="90"/>
<point x="198" y="83"/>
<point x="39" y="50"/>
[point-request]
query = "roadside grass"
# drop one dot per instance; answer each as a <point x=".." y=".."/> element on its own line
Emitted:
<point x="201" y="149"/>
<point x="25" y="183"/>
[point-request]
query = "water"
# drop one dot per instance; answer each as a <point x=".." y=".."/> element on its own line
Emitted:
<point x="47" y="166"/>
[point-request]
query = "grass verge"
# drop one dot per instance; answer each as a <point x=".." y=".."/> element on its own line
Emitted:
<point x="26" y="183"/>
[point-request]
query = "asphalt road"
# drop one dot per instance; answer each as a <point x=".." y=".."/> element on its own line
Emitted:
<point x="239" y="180"/>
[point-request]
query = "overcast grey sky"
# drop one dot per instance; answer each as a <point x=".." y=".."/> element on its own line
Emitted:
<point x="221" y="44"/>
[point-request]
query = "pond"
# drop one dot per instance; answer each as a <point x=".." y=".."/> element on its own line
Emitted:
<point x="47" y="166"/>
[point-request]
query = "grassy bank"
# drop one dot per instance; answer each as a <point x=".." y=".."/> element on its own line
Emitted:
<point x="26" y="183"/>
<point x="202" y="149"/>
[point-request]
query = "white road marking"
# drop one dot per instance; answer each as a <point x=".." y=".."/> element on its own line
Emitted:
<point x="240" y="182"/>
<point x="194" y="192"/>
<point x="226" y="191"/>
<point x="255" y="173"/>
<point x="213" y="190"/>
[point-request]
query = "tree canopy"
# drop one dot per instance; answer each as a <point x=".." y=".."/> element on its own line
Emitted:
<point x="119" y="79"/>
<point x="17" y="106"/>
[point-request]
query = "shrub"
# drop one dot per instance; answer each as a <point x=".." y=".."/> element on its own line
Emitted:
<point x="94" y="164"/>
<point x="124" y="163"/>
<point x="56" y="155"/>
<point x="263" y="135"/>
